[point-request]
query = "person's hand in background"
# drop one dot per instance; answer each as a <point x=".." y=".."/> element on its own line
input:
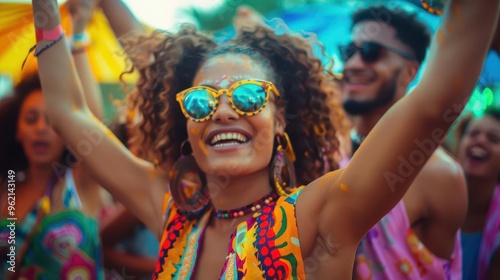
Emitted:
<point x="81" y="12"/>
<point x="247" y="17"/>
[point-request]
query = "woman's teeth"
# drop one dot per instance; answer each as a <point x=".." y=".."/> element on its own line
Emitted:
<point x="478" y="153"/>
<point x="228" y="139"/>
<point x="226" y="144"/>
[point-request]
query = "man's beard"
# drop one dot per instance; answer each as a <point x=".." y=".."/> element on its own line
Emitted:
<point x="385" y="95"/>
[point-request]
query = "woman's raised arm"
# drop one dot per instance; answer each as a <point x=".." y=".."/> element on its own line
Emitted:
<point x="354" y="199"/>
<point x="120" y="18"/>
<point x="81" y="13"/>
<point x="136" y="183"/>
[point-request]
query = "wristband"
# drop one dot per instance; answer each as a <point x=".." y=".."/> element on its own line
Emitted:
<point x="79" y="42"/>
<point x="49" y="35"/>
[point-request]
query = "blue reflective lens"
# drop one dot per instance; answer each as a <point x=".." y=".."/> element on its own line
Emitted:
<point x="199" y="103"/>
<point x="249" y="98"/>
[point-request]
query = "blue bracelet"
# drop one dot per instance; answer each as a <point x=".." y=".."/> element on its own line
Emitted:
<point x="39" y="51"/>
<point x="81" y="36"/>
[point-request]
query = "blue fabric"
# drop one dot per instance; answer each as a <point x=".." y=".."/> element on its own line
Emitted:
<point x="470" y="254"/>
<point x="142" y="242"/>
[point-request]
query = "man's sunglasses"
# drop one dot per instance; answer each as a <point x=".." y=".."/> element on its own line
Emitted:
<point x="246" y="97"/>
<point x="370" y="51"/>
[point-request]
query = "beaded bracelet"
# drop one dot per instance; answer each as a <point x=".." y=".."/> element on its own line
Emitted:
<point x="79" y="42"/>
<point x="45" y="35"/>
<point x="39" y="51"/>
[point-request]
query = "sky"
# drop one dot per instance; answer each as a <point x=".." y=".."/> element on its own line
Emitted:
<point x="163" y="14"/>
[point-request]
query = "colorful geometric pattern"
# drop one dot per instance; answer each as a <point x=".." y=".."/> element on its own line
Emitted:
<point x="265" y="246"/>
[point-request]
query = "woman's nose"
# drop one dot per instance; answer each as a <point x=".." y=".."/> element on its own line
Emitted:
<point x="224" y="112"/>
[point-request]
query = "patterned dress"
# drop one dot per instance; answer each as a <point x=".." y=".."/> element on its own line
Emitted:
<point x="391" y="250"/>
<point x="266" y="246"/>
<point x="64" y="245"/>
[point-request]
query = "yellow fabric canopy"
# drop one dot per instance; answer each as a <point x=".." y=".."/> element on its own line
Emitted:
<point x="17" y="34"/>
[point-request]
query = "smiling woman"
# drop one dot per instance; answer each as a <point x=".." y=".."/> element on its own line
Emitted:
<point x="20" y="114"/>
<point x="332" y="213"/>
<point x="49" y="181"/>
<point x="479" y="154"/>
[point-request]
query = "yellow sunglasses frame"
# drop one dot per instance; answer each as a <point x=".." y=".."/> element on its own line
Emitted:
<point x="267" y="86"/>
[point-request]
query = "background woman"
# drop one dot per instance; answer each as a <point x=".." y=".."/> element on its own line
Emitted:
<point x="479" y="154"/>
<point x="56" y="201"/>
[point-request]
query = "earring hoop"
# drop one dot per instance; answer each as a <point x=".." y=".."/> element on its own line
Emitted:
<point x="282" y="169"/>
<point x="188" y="184"/>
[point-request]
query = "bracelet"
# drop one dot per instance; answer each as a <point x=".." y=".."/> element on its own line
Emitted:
<point x="44" y="48"/>
<point x="81" y="36"/>
<point x="45" y="35"/>
<point x="79" y="42"/>
<point x="78" y="51"/>
<point x="49" y="35"/>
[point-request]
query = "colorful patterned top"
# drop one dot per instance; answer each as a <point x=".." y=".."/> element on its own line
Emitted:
<point x="64" y="245"/>
<point x="390" y="250"/>
<point x="265" y="246"/>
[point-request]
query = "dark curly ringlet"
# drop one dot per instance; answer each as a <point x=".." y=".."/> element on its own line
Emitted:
<point x="168" y="62"/>
<point x="12" y="155"/>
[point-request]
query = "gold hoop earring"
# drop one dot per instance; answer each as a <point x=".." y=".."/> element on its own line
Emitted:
<point x="188" y="184"/>
<point x="282" y="170"/>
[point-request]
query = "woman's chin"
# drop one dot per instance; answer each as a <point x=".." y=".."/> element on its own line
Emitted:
<point x="475" y="172"/>
<point x="42" y="160"/>
<point x="234" y="167"/>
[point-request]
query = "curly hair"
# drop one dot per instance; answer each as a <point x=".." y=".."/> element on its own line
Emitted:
<point x="167" y="64"/>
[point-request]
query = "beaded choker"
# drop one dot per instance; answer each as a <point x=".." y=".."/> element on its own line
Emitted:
<point x="250" y="208"/>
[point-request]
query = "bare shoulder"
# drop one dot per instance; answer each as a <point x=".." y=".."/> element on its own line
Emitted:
<point x="441" y="173"/>
<point x="442" y="185"/>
